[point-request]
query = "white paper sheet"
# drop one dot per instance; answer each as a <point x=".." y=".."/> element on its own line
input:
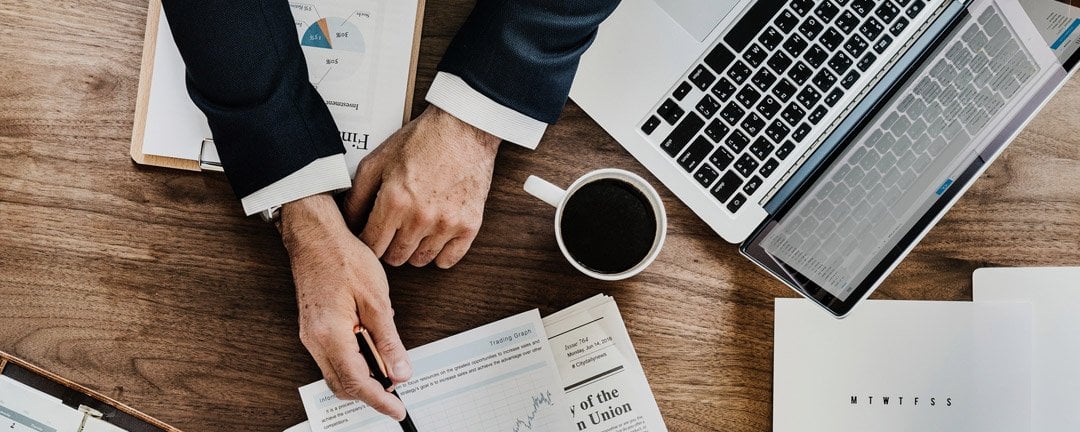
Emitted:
<point x="497" y="378"/>
<point x="358" y="54"/>
<point x="943" y="366"/>
<point x="23" y="409"/>
<point x="1054" y="294"/>
<point x="302" y="427"/>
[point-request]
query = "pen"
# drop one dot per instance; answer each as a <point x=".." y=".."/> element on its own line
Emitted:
<point x="378" y="371"/>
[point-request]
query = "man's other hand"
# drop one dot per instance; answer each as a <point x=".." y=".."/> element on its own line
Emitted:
<point x="423" y="191"/>
<point x="340" y="284"/>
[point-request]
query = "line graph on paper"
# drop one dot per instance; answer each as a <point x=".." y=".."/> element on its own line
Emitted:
<point x="518" y="401"/>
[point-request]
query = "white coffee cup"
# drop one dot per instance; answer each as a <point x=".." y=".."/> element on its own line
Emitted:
<point x="558" y="197"/>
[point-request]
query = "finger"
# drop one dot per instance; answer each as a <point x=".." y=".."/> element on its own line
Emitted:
<point x="404" y="245"/>
<point x="381" y="225"/>
<point x="428" y="249"/>
<point x="359" y="199"/>
<point x="354" y="379"/>
<point x="380" y="324"/>
<point x="453" y="251"/>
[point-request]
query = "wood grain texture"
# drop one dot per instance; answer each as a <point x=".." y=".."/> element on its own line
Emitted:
<point x="149" y="286"/>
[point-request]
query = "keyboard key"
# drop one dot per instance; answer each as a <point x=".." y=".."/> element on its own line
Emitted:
<point x="840" y="62"/>
<point x="834" y="96"/>
<point x="682" y="134"/>
<point x="752" y="185"/>
<point x="850" y="79"/>
<point x="793" y="114"/>
<point x="800" y="73"/>
<point x="708" y="106"/>
<point x="722" y="158"/>
<point x="736" y="203"/>
<point x="748" y="26"/>
<point x="882" y="44"/>
<point x="816" y="56"/>
<point x="650" y="125"/>
<point x="847" y="22"/>
<point x="871" y="29"/>
<point x="716" y="131"/>
<point x="811" y="28"/>
<point x="887" y="11"/>
<point x="786" y="21"/>
<point x="748" y="96"/>
<point x="802" y="7"/>
<point x="670" y="111"/>
<point x="824" y="80"/>
<point x="706" y="175"/>
<point x="756" y="55"/>
<point x="769" y="168"/>
<point x="899" y="26"/>
<point x="856" y="45"/>
<point x="862" y="7"/>
<point x="817" y="115"/>
<point x="761" y="148"/>
<point x="914" y="9"/>
<point x="732" y="113"/>
<point x="726" y="186"/>
<point x="768" y="107"/>
<point x="739" y="72"/>
<point x="771" y="38"/>
<point x="753" y="124"/>
<point x="692" y="157"/>
<point x="723" y="89"/>
<point x="785" y="150"/>
<point x="763" y="79"/>
<point x="779" y="62"/>
<point x="801" y="132"/>
<point x="777" y="131"/>
<point x="831" y="39"/>
<point x="867" y="61"/>
<point x="719" y="58"/>
<point x="795" y="45"/>
<point x="746" y="165"/>
<point x="784" y="90"/>
<point x="827" y="11"/>
<point x="737" y="141"/>
<point x="681" y="91"/>
<point x="702" y="78"/>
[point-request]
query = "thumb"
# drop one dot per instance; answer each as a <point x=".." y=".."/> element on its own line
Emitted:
<point x="380" y="324"/>
<point x="361" y="197"/>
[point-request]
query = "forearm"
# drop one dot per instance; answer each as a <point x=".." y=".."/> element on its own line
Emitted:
<point x="247" y="73"/>
<point x="523" y="54"/>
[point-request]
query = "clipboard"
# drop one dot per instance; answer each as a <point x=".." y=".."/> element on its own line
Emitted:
<point x="207" y="158"/>
<point x="75" y="396"/>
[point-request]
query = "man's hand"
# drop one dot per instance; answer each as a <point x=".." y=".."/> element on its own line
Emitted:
<point x="425" y="189"/>
<point x="340" y="284"/>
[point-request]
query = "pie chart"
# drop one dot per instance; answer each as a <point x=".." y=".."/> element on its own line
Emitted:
<point x="325" y="34"/>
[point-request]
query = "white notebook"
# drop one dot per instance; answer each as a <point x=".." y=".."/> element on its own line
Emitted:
<point x="901" y="366"/>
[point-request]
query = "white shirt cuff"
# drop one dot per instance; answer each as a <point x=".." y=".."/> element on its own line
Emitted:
<point x="326" y="174"/>
<point x="453" y="95"/>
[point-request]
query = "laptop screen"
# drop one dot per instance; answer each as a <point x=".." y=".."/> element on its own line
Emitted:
<point x="893" y="175"/>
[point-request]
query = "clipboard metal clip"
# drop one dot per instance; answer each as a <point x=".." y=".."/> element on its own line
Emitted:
<point x="208" y="157"/>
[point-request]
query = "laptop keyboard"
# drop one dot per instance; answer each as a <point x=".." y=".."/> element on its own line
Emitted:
<point x="866" y="198"/>
<point x="767" y="83"/>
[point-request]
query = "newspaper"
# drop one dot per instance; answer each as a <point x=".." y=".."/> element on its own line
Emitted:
<point x="504" y="377"/>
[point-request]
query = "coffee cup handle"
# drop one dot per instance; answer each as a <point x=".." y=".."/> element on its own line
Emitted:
<point x="547" y="192"/>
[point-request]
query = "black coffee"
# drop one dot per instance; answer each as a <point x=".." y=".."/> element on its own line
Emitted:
<point x="608" y="226"/>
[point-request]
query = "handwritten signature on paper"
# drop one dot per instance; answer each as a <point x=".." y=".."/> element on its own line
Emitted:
<point x="539" y="401"/>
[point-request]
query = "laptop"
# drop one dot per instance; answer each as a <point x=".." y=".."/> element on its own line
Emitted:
<point x="826" y="137"/>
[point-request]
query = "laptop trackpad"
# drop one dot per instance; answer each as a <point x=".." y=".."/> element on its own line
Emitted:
<point x="698" y="17"/>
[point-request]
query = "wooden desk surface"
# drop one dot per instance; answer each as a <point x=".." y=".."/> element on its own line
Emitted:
<point x="150" y="286"/>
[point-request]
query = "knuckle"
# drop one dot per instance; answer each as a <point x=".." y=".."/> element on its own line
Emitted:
<point x="350" y="388"/>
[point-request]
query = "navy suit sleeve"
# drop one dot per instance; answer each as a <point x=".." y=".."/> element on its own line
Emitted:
<point x="524" y="54"/>
<point x="246" y="71"/>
